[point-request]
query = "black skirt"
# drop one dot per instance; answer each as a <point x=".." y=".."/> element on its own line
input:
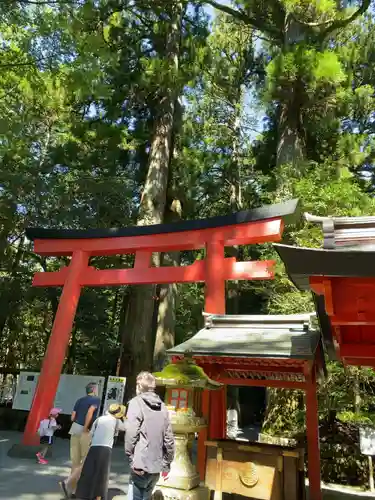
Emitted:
<point x="46" y="440"/>
<point x="95" y="474"/>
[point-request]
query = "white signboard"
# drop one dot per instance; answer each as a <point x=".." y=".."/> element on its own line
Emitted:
<point x="115" y="391"/>
<point x="367" y="440"/>
<point x="71" y="388"/>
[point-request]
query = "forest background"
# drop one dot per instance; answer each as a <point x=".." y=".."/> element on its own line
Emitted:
<point x="122" y="112"/>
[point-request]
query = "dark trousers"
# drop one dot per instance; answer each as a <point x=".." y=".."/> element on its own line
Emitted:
<point x="141" y="487"/>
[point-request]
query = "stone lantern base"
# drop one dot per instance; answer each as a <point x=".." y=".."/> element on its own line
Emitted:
<point x="166" y="493"/>
<point x="183" y="474"/>
<point x="183" y="482"/>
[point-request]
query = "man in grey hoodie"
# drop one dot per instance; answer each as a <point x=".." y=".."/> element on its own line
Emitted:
<point x="149" y="440"/>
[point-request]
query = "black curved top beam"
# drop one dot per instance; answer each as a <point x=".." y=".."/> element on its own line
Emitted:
<point x="288" y="211"/>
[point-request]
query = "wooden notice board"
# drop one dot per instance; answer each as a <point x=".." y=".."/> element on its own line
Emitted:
<point x="257" y="471"/>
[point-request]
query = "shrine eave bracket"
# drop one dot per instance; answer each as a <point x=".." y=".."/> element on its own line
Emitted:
<point x="301" y="263"/>
<point x="343" y="282"/>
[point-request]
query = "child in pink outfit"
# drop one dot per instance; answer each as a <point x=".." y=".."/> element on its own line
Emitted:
<point x="47" y="428"/>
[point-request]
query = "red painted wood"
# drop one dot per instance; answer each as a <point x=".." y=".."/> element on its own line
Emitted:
<point x="218" y="414"/>
<point x="350" y="306"/>
<point x="142" y="260"/>
<point x="55" y="355"/>
<point x="238" y="234"/>
<point x="283" y="384"/>
<point x="354" y="334"/>
<point x="316" y="284"/>
<point x="203" y="435"/>
<point x="244" y="366"/>
<point x="196" y="272"/>
<point x="215" y="278"/>
<point x="328" y="294"/>
<point x="264" y="370"/>
<point x="217" y="364"/>
<point x="312" y="430"/>
<point x="348" y="300"/>
<point x="357" y="351"/>
<point x="360" y="282"/>
<point x="215" y="304"/>
<point x="353" y="319"/>
<point x="368" y="362"/>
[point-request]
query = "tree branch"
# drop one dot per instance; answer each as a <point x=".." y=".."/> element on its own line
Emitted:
<point x="242" y="16"/>
<point x="14" y="65"/>
<point x="341" y="23"/>
<point x="312" y="25"/>
<point x="44" y="2"/>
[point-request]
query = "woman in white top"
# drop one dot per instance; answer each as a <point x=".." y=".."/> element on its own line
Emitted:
<point x="93" y="483"/>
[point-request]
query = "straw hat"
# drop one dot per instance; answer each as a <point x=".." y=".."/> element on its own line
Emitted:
<point x="117" y="410"/>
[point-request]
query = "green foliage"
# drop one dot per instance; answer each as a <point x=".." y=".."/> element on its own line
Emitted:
<point x="326" y="8"/>
<point x="275" y="99"/>
<point x="315" y="68"/>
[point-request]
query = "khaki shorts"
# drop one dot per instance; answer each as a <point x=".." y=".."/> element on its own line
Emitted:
<point x="79" y="447"/>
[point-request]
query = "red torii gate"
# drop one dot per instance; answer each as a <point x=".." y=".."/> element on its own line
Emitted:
<point x="264" y="224"/>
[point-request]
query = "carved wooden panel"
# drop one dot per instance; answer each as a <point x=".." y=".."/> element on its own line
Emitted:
<point x="259" y="472"/>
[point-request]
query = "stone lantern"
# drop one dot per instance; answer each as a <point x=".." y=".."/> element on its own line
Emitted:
<point x="184" y="382"/>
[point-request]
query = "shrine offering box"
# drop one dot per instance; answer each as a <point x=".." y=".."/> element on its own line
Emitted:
<point x="257" y="471"/>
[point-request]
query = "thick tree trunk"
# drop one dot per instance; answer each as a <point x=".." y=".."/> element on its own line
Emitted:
<point x="235" y="174"/>
<point x="121" y="331"/>
<point x="71" y="357"/>
<point x="290" y="128"/>
<point x="357" y="392"/>
<point x="54" y="302"/>
<point x="10" y="296"/>
<point x="290" y="144"/>
<point x="138" y="338"/>
<point x="235" y="200"/>
<point x="166" y="318"/>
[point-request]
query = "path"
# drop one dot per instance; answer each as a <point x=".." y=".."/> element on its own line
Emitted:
<point x="27" y="480"/>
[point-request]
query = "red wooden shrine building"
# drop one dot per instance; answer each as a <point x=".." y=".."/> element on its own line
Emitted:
<point x="261" y="351"/>
<point x="341" y="276"/>
<point x="264" y="224"/>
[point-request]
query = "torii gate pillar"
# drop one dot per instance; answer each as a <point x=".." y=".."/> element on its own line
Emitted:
<point x="55" y="354"/>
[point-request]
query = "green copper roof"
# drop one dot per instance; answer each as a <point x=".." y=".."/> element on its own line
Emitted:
<point x="185" y="373"/>
<point x="261" y="336"/>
